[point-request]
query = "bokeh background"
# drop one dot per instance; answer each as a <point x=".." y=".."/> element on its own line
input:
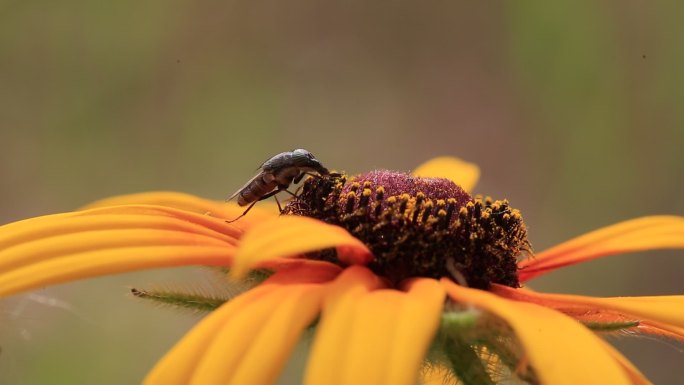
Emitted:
<point x="573" y="110"/>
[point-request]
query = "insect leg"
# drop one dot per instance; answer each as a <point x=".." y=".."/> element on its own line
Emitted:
<point x="244" y="213"/>
<point x="299" y="177"/>
<point x="294" y="194"/>
<point x="278" y="203"/>
<point x="266" y="196"/>
<point x="314" y="175"/>
<point x="272" y="193"/>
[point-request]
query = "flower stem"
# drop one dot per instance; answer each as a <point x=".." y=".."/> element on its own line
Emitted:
<point x="466" y="363"/>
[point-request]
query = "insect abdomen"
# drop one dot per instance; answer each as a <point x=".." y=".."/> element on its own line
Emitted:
<point x="259" y="187"/>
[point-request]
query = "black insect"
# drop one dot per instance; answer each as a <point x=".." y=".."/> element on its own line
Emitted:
<point x="276" y="175"/>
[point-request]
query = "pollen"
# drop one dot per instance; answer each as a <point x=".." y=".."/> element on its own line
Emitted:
<point x="419" y="227"/>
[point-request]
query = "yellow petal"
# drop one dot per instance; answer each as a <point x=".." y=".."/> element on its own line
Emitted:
<point x="178" y="365"/>
<point x="559" y="349"/>
<point x="289" y="236"/>
<point x="63" y="247"/>
<point x="324" y="365"/>
<point x="647" y="233"/>
<point x="119" y="217"/>
<point x="256" y="343"/>
<point x="664" y="312"/>
<point x="371" y="336"/>
<point x="248" y="339"/>
<point x="111" y="261"/>
<point x="460" y="172"/>
<point x="187" y="202"/>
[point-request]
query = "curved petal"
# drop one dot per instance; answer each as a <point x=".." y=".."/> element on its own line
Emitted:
<point x="187" y="202"/>
<point x="105" y="262"/>
<point x="179" y="364"/>
<point x="289" y="236"/>
<point x="647" y="233"/>
<point x="62" y="247"/>
<point x="460" y="172"/>
<point x="560" y="349"/>
<point x="328" y="347"/>
<point x="660" y="312"/>
<point x="248" y="339"/>
<point x="254" y="345"/>
<point x="119" y="217"/>
<point x="374" y="336"/>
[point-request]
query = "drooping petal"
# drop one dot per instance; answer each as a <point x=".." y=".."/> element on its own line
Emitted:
<point x="119" y="217"/>
<point x="458" y="171"/>
<point x="659" y="312"/>
<point x="369" y="335"/>
<point x="289" y="236"/>
<point x="254" y="345"/>
<point x="105" y="262"/>
<point x="187" y="202"/>
<point x="559" y="349"/>
<point x="248" y="339"/>
<point x="647" y="233"/>
<point x="178" y="365"/>
<point x="62" y="247"/>
<point x="329" y="347"/>
<point x="416" y="324"/>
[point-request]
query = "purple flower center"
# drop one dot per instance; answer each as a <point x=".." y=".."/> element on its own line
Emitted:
<point x="419" y="227"/>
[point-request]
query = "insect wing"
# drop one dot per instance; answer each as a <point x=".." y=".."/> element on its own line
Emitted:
<point x="258" y="175"/>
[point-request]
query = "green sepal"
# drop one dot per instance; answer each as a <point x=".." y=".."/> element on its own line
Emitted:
<point x="453" y="349"/>
<point x="178" y="299"/>
<point x="204" y="296"/>
<point x="610" y="326"/>
<point x="479" y="348"/>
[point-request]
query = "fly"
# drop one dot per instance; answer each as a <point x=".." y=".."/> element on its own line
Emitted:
<point x="276" y="175"/>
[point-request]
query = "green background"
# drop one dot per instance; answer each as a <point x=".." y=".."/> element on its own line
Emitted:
<point x="573" y="110"/>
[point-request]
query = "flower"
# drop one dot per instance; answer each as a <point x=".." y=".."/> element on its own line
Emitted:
<point x="387" y="266"/>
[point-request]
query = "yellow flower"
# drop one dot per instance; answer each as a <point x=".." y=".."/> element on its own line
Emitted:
<point x="376" y="273"/>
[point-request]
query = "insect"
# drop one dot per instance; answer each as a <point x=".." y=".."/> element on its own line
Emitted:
<point x="275" y="175"/>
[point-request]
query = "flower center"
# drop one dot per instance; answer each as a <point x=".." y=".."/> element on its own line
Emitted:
<point x="427" y="227"/>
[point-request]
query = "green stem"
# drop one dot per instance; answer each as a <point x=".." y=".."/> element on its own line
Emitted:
<point x="466" y="363"/>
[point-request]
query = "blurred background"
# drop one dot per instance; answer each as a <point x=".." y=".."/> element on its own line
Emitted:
<point x="572" y="109"/>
